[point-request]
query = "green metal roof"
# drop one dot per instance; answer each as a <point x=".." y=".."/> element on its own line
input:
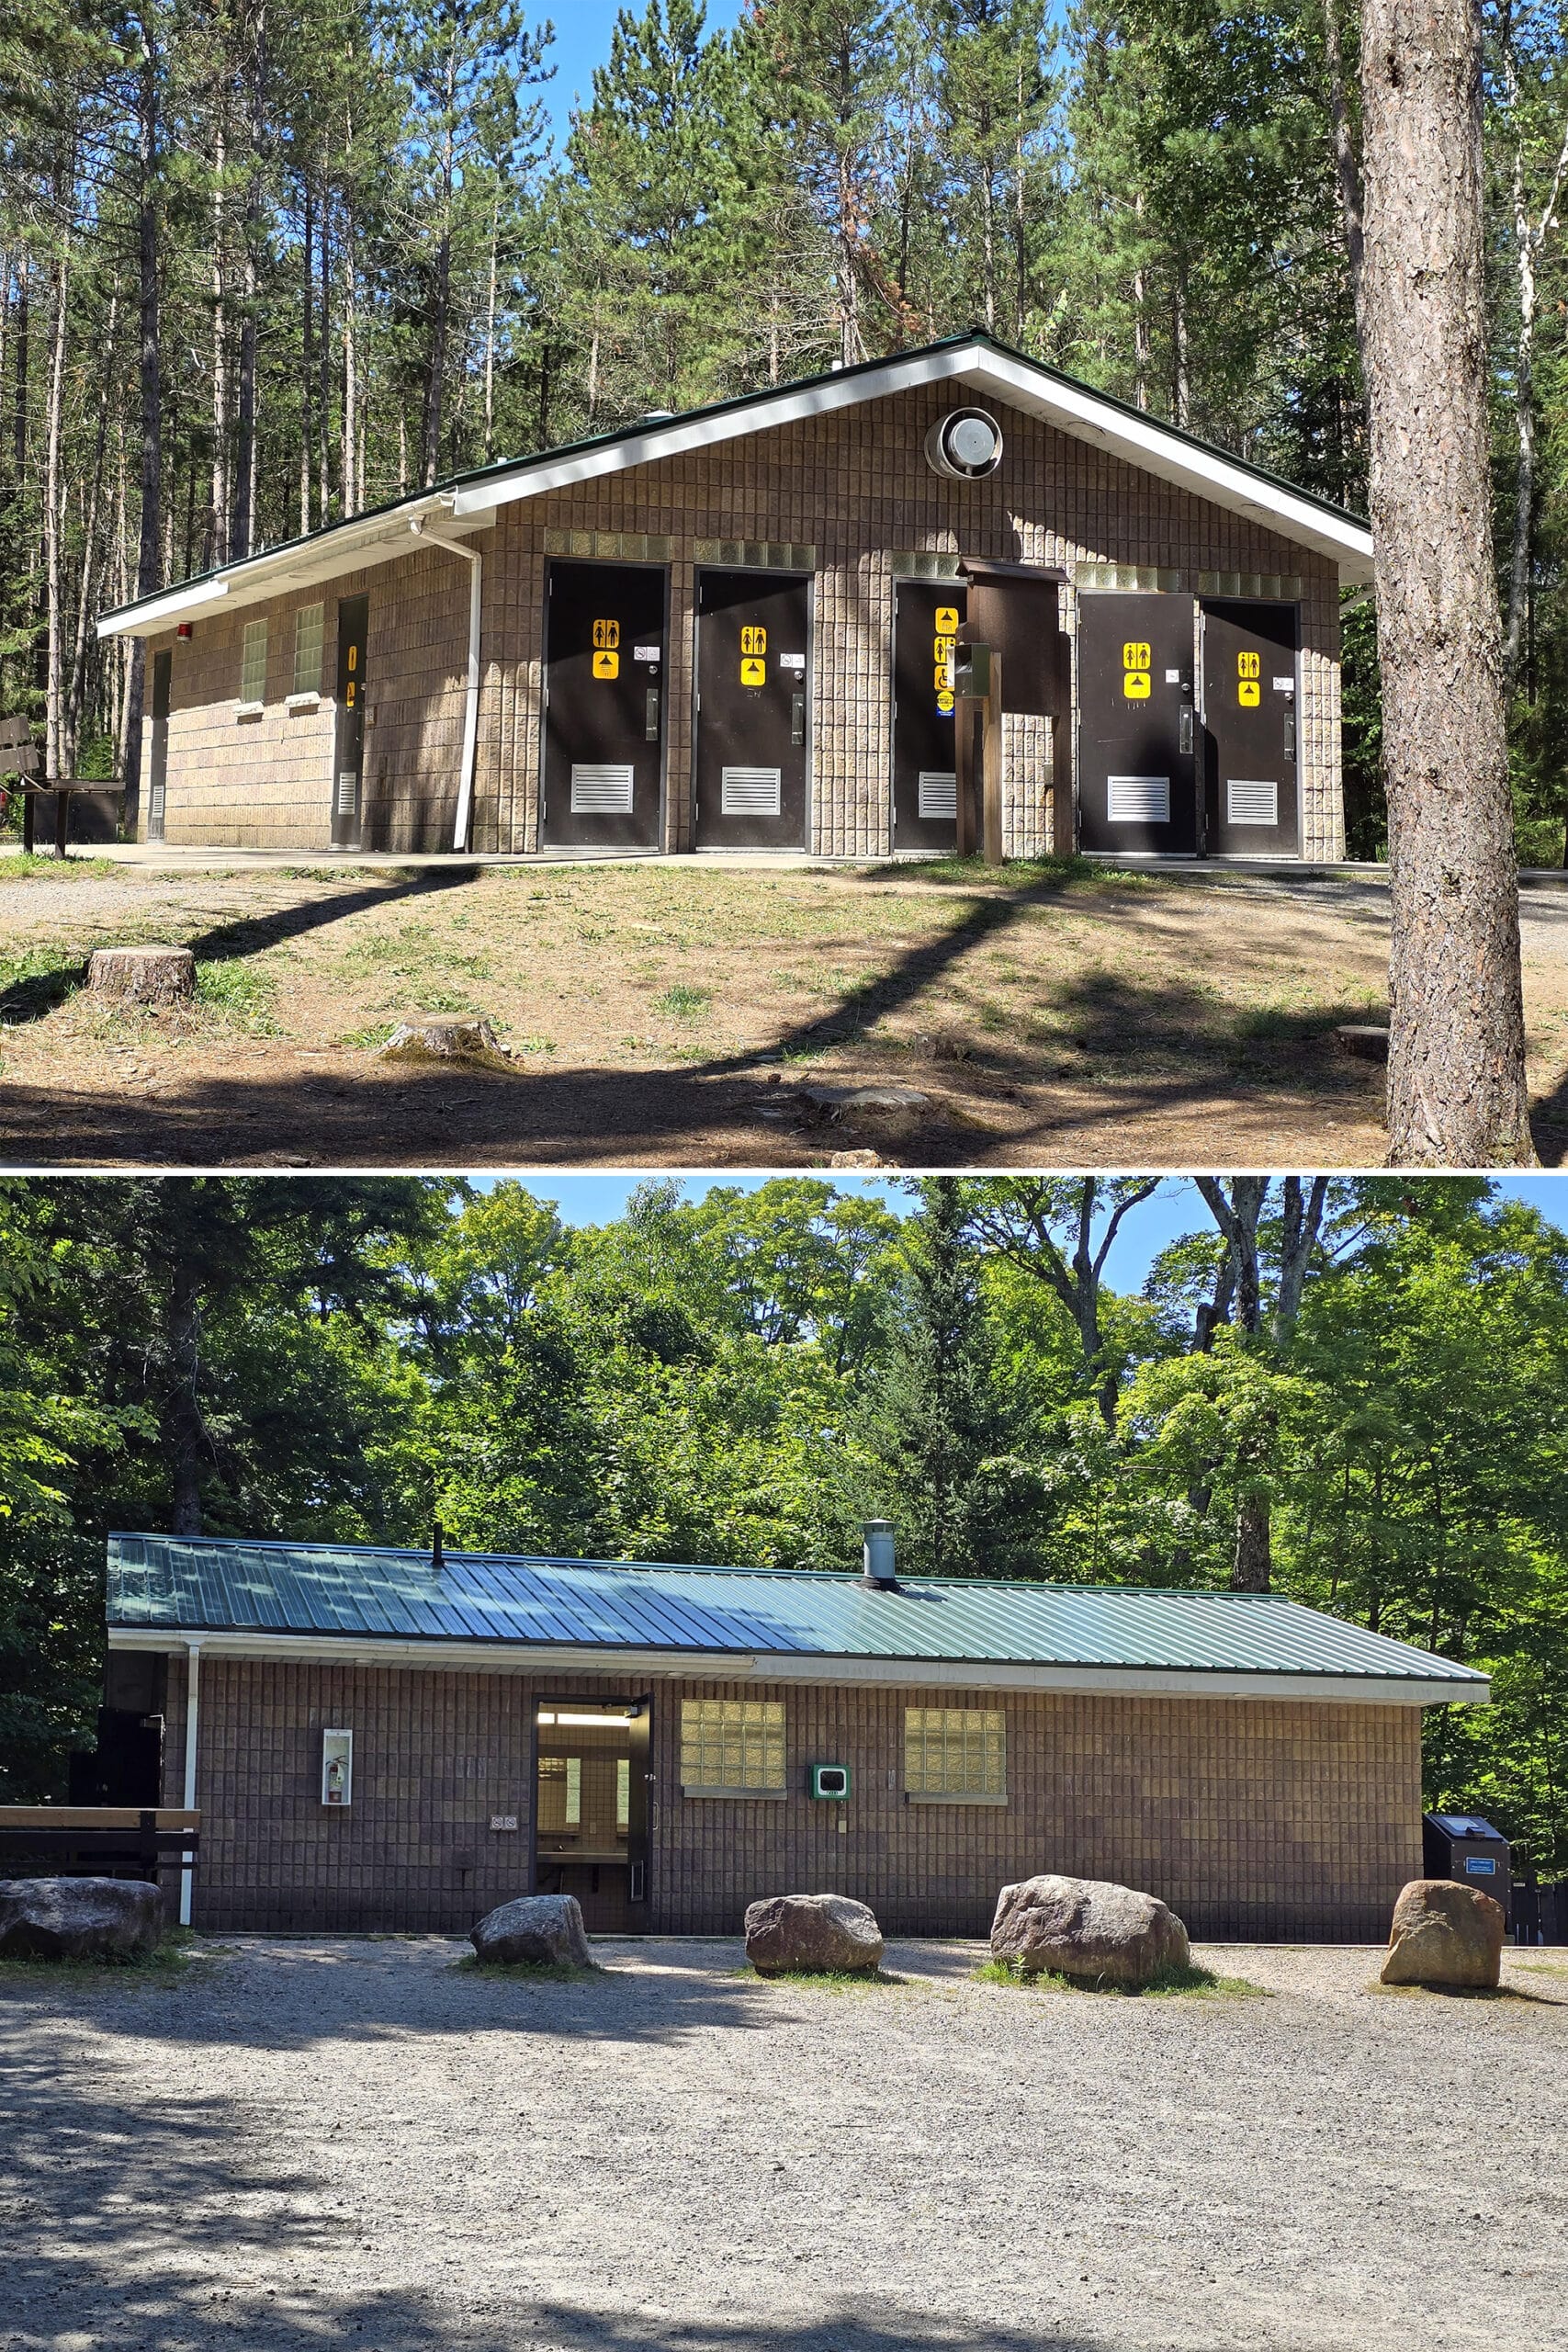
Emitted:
<point x="359" y="1593"/>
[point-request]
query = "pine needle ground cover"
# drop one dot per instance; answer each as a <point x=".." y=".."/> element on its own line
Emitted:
<point x="665" y="1015"/>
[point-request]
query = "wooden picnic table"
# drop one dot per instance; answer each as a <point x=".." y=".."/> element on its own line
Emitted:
<point x="21" y="758"/>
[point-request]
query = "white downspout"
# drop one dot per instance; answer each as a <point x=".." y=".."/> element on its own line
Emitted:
<point x="193" y="1688"/>
<point x="475" y="561"/>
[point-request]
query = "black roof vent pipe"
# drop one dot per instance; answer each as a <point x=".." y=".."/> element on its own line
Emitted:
<point x="437" y="1557"/>
<point x="878" y="1571"/>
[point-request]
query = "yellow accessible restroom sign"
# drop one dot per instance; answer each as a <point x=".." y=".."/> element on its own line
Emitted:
<point x="607" y="638"/>
<point x="1247" y="689"/>
<point x="1136" y="669"/>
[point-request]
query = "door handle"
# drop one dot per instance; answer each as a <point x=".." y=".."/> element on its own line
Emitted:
<point x="797" y="719"/>
<point x="650" y="731"/>
<point x="1290" y="730"/>
<point x="1184" y="729"/>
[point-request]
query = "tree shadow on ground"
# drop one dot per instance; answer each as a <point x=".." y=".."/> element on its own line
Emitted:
<point x="34" y="997"/>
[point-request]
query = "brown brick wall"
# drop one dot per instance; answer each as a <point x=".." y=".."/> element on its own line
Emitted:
<point x="854" y="485"/>
<point x="1253" y="1818"/>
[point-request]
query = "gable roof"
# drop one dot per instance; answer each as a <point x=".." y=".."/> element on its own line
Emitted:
<point x="266" y="1599"/>
<point x="973" y="363"/>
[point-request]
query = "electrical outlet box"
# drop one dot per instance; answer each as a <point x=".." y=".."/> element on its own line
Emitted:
<point x="337" y="1768"/>
<point x="830" y="1780"/>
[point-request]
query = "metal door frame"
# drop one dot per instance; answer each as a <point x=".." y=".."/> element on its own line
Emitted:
<point x="354" y="846"/>
<point x="643" y="1702"/>
<point x="808" y="808"/>
<point x="911" y="580"/>
<point x="606" y="563"/>
<point x="1273" y="604"/>
<point x="158" y="769"/>
<point x="1085" y="596"/>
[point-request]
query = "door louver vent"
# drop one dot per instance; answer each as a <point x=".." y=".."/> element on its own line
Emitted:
<point x="751" y="792"/>
<point x="939" y="793"/>
<point x="1137" y="799"/>
<point x="600" y="788"/>
<point x="347" y="791"/>
<point x="1249" y="801"/>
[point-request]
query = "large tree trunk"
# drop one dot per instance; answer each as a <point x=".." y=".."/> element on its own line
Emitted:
<point x="148" y="562"/>
<point x="53" y="522"/>
<point x="1456" y="1079"/>
<point x="217" y="533"/>
<point x="186" y="1434"/>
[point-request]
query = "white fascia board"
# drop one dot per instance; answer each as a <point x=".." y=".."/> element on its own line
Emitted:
<point x="1138" y="441"/>
<point x="1145" y="443"/>
<point x="823" y="398"/>
<point x="327" y="557"/>
<point x="148" y="619"/>
<point x="544" y="1658"/>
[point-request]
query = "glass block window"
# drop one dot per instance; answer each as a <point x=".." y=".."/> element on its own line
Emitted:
<point x="956" y="1752"/>
<point x="308" y="650"/>
<point x="560" y="1793"/>
<point x="622" y="1792"/>
<point x="252" y="664"/>
<point x="732" y="1744"/>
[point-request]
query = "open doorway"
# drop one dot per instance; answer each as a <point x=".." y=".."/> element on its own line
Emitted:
<point x="591" y="1808"/>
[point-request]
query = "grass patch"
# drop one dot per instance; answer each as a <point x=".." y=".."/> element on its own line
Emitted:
<point x="824" y="1980"/>
<point x="18" y="869"/>
<point x="683" y="1003"/>
<point x="1169" y="1983"/>
<point x="237" y="993"/>
<point x="370" y="1039"/>
<point x="177" y="1950"/>
<point x="525" y="1972"/>
<point x="36" y="980"/>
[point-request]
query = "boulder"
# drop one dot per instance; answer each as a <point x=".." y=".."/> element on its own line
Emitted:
<point x="79" y="1919"/>
<point x="153" y="975"/>
<point x="1444" y="1934"/>
<point x="536" y="1931"/>
<point x="467" y="1039"/>
<point x="830" y="1932"/>
<point x="1087" y="1927"/>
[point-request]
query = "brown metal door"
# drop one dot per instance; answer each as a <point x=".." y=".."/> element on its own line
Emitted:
<point x="158" y="756"/>
<point x="927" y="616"/>
<point x="348" y="766"/>
<point x="753" y="698"/>
<point x="1138" y="772"/>
<point x="1249" y="729"/>
<point x="605" y="626"/>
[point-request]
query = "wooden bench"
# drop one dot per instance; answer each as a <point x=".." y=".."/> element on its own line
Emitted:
<point x="21" y="758"/>
<point x="95" y="1840"/>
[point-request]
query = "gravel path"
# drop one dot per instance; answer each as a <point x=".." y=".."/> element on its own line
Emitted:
<point x="310" y="2144"/>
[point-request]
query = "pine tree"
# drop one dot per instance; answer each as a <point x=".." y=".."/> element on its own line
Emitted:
<point x="939" y="1416"/>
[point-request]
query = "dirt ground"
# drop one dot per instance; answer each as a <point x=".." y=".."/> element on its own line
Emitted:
<point x="297" y="2144"/>
<point x="674" y="1014"/>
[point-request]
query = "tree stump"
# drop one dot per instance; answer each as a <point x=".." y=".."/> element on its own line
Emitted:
<point x="150" y="976"/>
<point x="1364" y="1040"/>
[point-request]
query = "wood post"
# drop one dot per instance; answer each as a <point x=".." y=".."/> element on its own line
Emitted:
<point x="991" y="766"/>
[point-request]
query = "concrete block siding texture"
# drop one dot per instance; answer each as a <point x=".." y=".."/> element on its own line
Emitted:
<point x="1252" y="1818"/>
<point x="855" y="487"/>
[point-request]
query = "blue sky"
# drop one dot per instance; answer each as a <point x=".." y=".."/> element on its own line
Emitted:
<point x="583" y="42"/>
<point x="596" y="1197"/>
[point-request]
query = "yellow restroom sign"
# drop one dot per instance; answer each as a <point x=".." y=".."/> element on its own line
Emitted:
<point x="946" y="620"/>
<point x="1247" y="689"/>
<point x="606" y="659"/>
<point x="753" y="645"/>
<point x="1136" y="667"/>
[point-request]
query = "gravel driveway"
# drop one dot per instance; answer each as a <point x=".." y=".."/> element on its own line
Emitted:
<point x="303" y="2144"/>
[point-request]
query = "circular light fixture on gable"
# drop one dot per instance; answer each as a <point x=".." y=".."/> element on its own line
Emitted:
<point x="966" y="444"/>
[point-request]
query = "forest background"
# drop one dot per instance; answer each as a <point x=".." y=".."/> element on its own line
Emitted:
<point x="1352" y="1390"/>
<point x="264" y="266"/>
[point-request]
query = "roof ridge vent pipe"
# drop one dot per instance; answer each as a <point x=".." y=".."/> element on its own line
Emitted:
<point x="437" y="1557"/>
<point x="878" y="1569"/>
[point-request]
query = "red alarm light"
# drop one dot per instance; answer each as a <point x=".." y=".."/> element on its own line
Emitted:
<point x="183" y="629"/>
